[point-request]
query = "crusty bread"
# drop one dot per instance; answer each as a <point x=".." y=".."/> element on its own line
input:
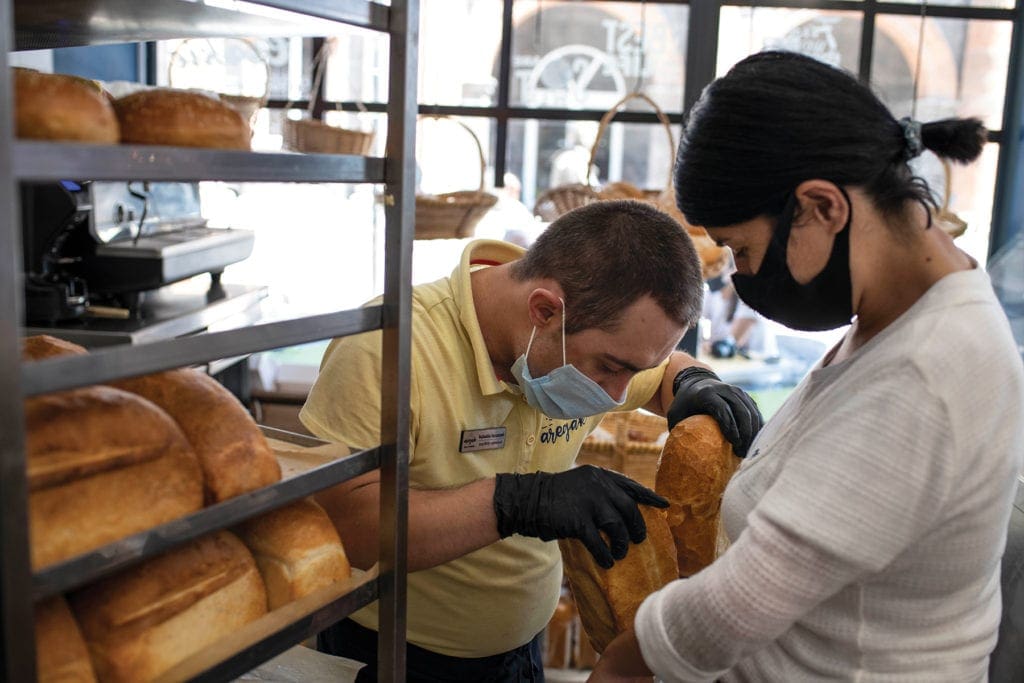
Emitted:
<point x="297" y="551"/>
<point x="695" y="466"/>
<point x="607" y="599"/>
<point x="102" y="464"/>
<point x="146" y="619"/>
<point x="61" y="654"/>
<point x="166" y="116"/>
<point x="232" y="450"/>
<point x="60" y="107"/>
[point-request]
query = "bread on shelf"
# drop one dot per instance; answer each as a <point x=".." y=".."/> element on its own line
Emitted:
<point x="61" y="654"/>
<point x="61" y="107"/>
<point x="148" y="618"/>
<point x="232" y="451"/>
<point x="102" y="464"/>
<point x="607" y="599"/>
<point x="297" y="550"/>
<point x="696" y="464"/>
<point x="183" y="118"/>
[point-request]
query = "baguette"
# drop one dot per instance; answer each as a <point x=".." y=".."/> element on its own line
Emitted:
<point x="695" y="466"/>
<point x="607" y="599"/>
<point x="146" y="619"/>
<point x="297" y="551"/>
<point x="167" y="116"/>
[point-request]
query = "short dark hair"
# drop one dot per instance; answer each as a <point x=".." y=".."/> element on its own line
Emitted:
<point x="608" y="254"/>
<point x="777" y="119"/>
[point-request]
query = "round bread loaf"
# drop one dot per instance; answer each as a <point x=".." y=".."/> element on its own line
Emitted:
<point x="60" y="107"/>
<point x="297" y="550"/>
<point x="102" y="464"/>
<point x="141" y="622"/>
<point x="232" y="450"/>
<point x="182" y="118"/>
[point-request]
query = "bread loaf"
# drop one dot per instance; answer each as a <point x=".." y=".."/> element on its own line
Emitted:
<point x="297" y="551"/>
<point x="144" y="620"/>
<point x="61" y="654"/>
<point x="232" y="450"/>
<point x="695" y="466"/>
<point x="60" y="107"/>
<point x="607" y="599"/>
<point x="102" y="464"/>
<point x="166" y="116"/>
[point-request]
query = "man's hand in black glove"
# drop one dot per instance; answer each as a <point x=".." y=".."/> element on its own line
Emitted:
<point x="698" y="391"/>
<point x="575" y="504"/>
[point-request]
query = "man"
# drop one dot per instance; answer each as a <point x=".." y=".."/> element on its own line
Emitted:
<point x="515" y="358"/>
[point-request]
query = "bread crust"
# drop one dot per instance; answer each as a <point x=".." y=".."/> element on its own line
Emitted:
<point x="297" y="550"/>
<point x="62" y="107"/>
<point x="144" y="620"/>
<point x="168" y="116"/>
<point x="607" y="599"/>
<point x="61" y="654"/>
<point x="695" y="467"/>
<point x="102" y="464"/>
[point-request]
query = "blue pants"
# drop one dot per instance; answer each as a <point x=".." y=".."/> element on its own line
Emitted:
<point x="348" y="639"/>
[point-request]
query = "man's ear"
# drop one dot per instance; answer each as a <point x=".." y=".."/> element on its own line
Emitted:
<point x="545" y="307"/>
<point x="822" y="204"/>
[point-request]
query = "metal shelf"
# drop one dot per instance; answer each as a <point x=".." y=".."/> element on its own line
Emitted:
<point x="63" y="161"/>
<point x="275" y="632"/>
<point x="104" y="365"/>
<point x="41" y="24"/>
<point x="96" y="564"/>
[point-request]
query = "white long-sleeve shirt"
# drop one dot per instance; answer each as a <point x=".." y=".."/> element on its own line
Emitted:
<point x="869" y="520"/>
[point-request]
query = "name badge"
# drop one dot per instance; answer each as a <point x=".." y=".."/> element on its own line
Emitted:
<point x="488" y="439"/>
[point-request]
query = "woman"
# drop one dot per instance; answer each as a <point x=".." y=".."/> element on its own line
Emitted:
<point x="868" y="521"/>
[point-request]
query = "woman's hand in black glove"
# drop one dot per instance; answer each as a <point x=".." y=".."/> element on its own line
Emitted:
<point x="578" y="503"/>
<point x="698" y="391"/>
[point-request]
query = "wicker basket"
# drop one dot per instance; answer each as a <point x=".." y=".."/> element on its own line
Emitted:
<point x="318" y="137"/>
<point x="553" y="203"/>
<point x="950" y="223"/>
<point x="454" y="214"/>
<point x="246" y="105"/>
<point x="627" y="442"/>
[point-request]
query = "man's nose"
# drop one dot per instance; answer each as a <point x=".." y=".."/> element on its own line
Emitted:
<point x="616" y="388"/>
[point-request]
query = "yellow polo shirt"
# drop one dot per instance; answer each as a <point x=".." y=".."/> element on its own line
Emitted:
<point x="499" y="597"/>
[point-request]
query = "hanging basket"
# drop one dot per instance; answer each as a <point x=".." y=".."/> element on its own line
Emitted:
<point x="950" y="223"/>
<point x="246" y="105"/>
<point x="318" y="137"/>
<point x="627" y="442"/>
<point x="454" y="214"/>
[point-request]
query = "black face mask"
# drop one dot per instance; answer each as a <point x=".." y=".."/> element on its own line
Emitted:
<point x="824" y="303"/>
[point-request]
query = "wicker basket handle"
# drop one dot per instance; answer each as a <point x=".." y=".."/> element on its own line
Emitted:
<point x="476" y="141"/>
<point x="610" y="114"/>
<point x="264" y="98"/>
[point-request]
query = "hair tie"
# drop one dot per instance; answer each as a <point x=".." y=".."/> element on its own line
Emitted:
<point x="911" y="137"/>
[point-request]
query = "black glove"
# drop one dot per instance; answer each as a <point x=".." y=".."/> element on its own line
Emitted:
<point x="698" y="391"/>
<point x="575" y="504"/>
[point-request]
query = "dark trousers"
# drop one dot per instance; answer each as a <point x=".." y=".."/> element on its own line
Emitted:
<point x="348" y="639"/>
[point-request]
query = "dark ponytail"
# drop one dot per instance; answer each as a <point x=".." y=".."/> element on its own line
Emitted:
<point x="780" y="118"/>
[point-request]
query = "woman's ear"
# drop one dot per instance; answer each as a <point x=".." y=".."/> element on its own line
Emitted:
<point x="822" y="204"/>
<point x="545" y="306"/>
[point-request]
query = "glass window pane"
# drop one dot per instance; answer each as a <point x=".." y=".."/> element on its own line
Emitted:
<point x="447" y="155"/>
<point x="587" y="55"/>
<point x="831" y="37"/>
<point x="971" y="195"/>
<point x="1004" y="4"/>
<point x="546" y="154"/>
<point x="357" y="66"/>
<point x="963" y="67"/>
<point x="460" y="48"/>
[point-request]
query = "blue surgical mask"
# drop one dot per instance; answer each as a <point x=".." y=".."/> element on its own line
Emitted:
<point x="565" y="393"/>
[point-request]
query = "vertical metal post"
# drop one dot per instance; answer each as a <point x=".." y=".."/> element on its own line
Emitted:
<point x="17" y="649"/>
<point x="399" y="178"/>
<point x="504" y="86"/>
<point x="701" y="53"/>
<point x="867" y="41"/>
<point x="1008" y="209"/>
